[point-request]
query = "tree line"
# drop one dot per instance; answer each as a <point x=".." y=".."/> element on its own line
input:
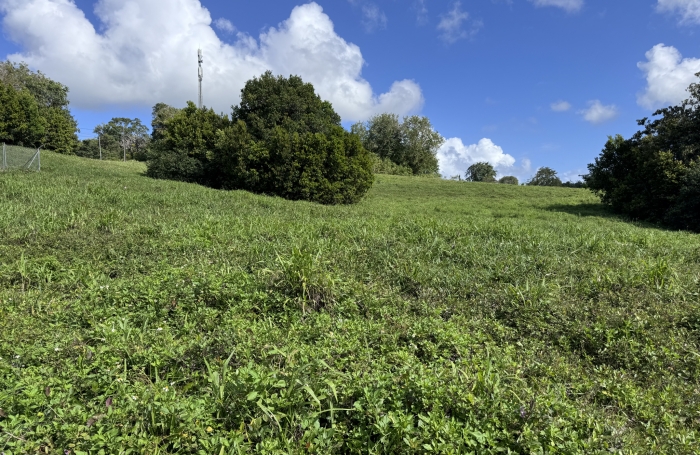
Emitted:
<point x="34" y="110"/>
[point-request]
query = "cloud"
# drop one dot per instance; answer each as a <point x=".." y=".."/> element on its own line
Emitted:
<point x="688" y="10"/>
<point x="374" y="18"/>
<point x="570" y="6"/>
<point x="421" y="12"/>
<point x="454" y="158"/>
<point x="450" y="25"/>
<point x="224" y="25"/>
<point x="560" y="106"/>
<point x="668" y="76"/>
<point x="598" y="113"/>
<point x="145" y="52"/>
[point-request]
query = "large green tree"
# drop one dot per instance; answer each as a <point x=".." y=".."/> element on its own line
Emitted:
<point x="545" y="176"/>
<point x="481" y="171"/>
<point x="269" y="101"/>
<point x="124" y="136"/>
<point x="412" y="143"/>
<point x="651" y="175"/>
<point x="20" y="120"/>
<point x="57" y="125"/>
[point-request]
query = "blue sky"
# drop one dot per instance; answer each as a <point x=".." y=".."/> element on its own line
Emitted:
<point x="520" y="83"/>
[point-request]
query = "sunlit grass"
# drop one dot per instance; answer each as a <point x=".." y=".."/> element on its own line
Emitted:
<point x="434" y="316"/>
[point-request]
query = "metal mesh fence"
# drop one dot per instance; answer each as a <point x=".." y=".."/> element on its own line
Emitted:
<point x="14" y="157"/>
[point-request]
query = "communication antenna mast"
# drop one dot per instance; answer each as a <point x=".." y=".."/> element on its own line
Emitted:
<point x="200" y="59"/>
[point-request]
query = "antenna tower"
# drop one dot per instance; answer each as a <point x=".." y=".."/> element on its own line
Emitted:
<point x="200" y="59"/>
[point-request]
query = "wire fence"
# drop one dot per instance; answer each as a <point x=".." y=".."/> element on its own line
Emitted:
<point x="15" y="157"/>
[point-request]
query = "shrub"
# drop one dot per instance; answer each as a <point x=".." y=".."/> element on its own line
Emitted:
<point x="176" y="165"/>
<point x="386" y="166"/>
<point x="685" y="213"/>
<point x="509" y="180"/>
<point x="330" y="169"/>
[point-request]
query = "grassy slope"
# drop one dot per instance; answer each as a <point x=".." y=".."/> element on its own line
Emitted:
<point x="433" y="316"/>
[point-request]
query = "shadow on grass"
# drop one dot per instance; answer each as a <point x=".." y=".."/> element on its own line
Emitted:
<point x="603" y="211"/>
<point x="599" y="210"/>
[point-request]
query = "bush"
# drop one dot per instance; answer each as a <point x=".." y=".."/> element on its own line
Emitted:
<point x="330" y="169"/>
<point x="509" y="180"/>
<point x="176" y="165"/>
<point x="386" y="166"/>
<point x="685" y="213"/>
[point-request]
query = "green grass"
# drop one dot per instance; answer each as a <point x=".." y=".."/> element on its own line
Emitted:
<point x="145" y="316"/>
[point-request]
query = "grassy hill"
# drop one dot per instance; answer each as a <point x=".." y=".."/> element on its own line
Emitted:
<point x="144" y="316"/>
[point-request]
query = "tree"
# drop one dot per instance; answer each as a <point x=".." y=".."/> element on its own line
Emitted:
<point x="480" y="172"/>
<point x="420" y="145"/>
<point x="509" y="180"/>
<point x="411" y="144"/>
<point x="51" y="98"/>
<point x="161" y="114"/>
<point x="20" y="120"/>
<point x="283" y="140"/>
<point x="650" y="175"/>
<point x="268" y="102"/>
<point x="545" y="176"/>
<point x="129" y="135"/>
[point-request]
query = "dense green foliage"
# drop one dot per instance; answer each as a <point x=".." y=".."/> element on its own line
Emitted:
<point x="154" y="316"/>
<point x="411" y="144"/>
<point x="509" y="180"/>
<point x="282" y="140"/>
<point x="545" y="176"/>
<point x="651" y="175"/>
<point x="161" y="114"/>
<point x="480" y="172"/>
<point x="20" y="122"/>
<point x="34" y="110"/>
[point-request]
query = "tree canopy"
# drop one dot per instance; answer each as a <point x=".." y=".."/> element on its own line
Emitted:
<point x="412" y="143"/>
<point x="545" y="176"/>
<point x="43" y="120"/>
<point x="282" y="139"/>
<point x="481" y="171"/>
<point x="652" y="175"/>
<point x="509" y="180"/>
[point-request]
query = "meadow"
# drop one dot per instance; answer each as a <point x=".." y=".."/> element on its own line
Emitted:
<point x="150" y="316"/>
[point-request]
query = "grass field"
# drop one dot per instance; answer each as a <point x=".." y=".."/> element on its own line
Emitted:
<point x="144" y="316"/>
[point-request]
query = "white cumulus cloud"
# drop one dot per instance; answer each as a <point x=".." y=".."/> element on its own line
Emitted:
<point x="570" y="6"/>
<point x="688" y="10"/>
<point x="454" y="158"/>
<point x="451" y="25"/>
<point x="224" y="25"/>
<point x="668" y="76"/>
<point x="144" y="51"/>
<point x="598" y="113"/>
<point x="560" y="106"/>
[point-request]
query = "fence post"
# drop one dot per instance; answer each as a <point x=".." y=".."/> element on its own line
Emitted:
<point x="38" y="151"/>
<point x="4" y="159"/>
